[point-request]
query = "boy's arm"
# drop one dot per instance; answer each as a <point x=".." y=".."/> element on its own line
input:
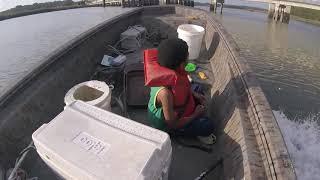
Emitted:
<point x="165" y="97"/>
<point x="199" y="97"/>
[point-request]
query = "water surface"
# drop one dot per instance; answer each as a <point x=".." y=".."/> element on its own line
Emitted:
<point x="26" y="41"/>
<point x="286" y="61"/>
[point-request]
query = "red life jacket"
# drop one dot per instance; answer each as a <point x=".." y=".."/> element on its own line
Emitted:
<point x="156" y="75"/>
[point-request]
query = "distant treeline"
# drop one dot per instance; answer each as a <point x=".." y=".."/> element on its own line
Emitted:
<point x="41" y="8"/>
<point x="306" y="13"/>
<point x="249" y="8"/>
<point x="201" y="4"/>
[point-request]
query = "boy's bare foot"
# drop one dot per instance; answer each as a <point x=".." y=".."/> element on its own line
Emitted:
<point x="208" y="140"/>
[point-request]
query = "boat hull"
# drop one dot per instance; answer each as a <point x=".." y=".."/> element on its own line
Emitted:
<point x="249" y="139"/>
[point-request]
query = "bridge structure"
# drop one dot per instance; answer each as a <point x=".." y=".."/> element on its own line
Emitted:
<point x="104" y="2"/>
<point x="279" y="10"/>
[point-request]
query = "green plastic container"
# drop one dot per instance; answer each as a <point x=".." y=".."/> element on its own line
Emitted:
<point x="190" y="67"/>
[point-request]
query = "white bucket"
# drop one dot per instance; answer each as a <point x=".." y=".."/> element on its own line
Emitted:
<point x="192" y="34"/>
<point x="95" y="93"/>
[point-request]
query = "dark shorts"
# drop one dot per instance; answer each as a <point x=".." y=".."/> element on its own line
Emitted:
<point x="198" y="127"/>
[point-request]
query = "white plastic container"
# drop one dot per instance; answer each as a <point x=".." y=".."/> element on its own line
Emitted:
<point x="87" y="143"/>
<point x="193" y="35"/>
<point x="133" y="37"/>
<point x="96" y="93"/>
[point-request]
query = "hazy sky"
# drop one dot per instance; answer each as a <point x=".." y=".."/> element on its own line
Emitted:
<point x="7" y="4"/>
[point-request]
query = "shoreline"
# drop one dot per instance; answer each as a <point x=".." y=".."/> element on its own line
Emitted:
<point x="44" y="10"/>
<point x="254" y="9"/>
<point x="310" y="21"/>
<point x="248" y="8"/>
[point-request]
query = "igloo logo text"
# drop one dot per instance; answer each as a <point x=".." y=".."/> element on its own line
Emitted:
<point x="91" y="144"/>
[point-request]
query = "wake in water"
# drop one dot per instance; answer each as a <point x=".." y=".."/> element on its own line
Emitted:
<point x="303" y="142"/>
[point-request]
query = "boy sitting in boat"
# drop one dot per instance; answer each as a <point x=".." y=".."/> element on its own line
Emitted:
<point x="173" y="106"/>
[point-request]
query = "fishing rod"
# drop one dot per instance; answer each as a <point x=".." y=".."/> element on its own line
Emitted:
<point x="211" y="168"/>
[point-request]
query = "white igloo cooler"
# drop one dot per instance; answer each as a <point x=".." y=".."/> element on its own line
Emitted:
<point x="86" y="142"/>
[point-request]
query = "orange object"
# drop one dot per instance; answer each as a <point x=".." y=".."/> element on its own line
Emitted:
<point x="202" y="75"/>
<point x="156" y="75"/>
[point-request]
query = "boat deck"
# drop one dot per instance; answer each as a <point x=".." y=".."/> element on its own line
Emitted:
<point x="187" y="162"/>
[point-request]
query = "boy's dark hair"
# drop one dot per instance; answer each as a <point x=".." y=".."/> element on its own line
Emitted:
<point x="172" y="52"/>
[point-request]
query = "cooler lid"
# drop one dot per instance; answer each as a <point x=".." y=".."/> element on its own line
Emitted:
<point x="87" y="141"/>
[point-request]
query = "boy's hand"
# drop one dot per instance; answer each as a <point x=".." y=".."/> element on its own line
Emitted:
<point x="200" y="98"/>
<point x="200" y="109"/>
